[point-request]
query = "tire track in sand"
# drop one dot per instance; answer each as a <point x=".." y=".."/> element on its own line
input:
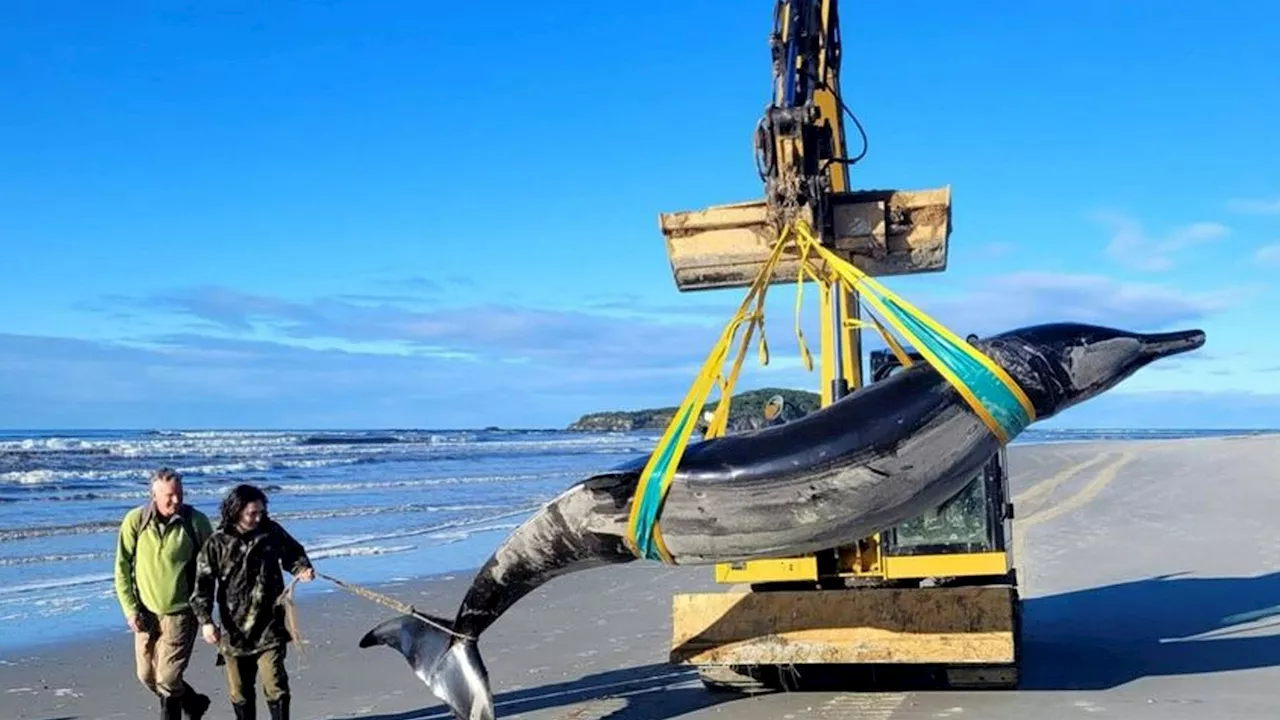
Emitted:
<point x="1048" y="485"/>
<point x="1085" y="495"/>
<point x="861" y="706"/>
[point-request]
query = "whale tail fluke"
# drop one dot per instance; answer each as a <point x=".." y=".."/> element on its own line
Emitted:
<point x="450" y="666"/>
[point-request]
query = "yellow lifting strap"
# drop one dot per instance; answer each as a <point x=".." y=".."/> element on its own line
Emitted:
<point x="643" y="536"/>
<point x="992" y="394"/>
<point x="987" y="388"/>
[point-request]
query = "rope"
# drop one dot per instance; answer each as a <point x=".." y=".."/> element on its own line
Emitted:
<point x="291" y="621"/>
<point x="400" y="607"/>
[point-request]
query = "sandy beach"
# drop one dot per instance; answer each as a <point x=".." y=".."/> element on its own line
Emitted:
<point x="1149" y="571"/>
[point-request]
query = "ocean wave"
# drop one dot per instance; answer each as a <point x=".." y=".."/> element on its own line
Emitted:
<point x="349" y="440"/>
<point x="28" y="533"/>
<point x="63" y="476"/>
<point x="57" y="557"/>
<point x="236" y="443"/>
<point x="417" y="482"/>
<point x="110" y="526"/>
<point x="28" y="477"/>
<point x="471" y="526"/>
<point x="51" y="584"/>
<point x="359" y="551"/>
<point x="86" y="493"/>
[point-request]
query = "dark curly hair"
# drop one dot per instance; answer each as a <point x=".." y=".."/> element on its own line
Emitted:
<point x="235" y="502"/>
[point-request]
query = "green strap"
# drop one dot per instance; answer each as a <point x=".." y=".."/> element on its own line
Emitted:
<point x="651" y="492"/>
<point x="988" y="389"/>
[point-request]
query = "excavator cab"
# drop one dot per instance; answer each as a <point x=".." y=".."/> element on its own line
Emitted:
<point x="977" y="520"/>
<point x="936" y="594"/>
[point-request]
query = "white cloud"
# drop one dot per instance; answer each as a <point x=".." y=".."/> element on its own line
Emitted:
<point x="1268" y="254"/>
<point x="1255" y="206"/>
<point x="334" y="362"/>
<point x="995" y="304"/>
<point x="1132" y="246"/>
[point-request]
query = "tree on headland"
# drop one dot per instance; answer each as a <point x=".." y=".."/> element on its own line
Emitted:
<point x="746" y="412"/>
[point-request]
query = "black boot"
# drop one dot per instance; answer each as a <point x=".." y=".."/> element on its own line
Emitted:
<point x="170" y="708"/>
<point x="279" y="708"/>
<point x="194" y="705"/>
<point x="245" y="711"/>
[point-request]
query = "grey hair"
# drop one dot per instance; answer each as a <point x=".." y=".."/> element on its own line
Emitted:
<point x="166" y="474"/>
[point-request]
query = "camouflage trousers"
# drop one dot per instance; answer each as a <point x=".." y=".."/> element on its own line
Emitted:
<point x="244" y="670"/>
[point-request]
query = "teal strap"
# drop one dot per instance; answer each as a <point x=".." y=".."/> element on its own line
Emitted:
<point x="990" y="391"/>
<point x="650" y="493"/>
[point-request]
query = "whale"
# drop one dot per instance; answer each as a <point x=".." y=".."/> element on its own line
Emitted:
<point x="874" y="458"/>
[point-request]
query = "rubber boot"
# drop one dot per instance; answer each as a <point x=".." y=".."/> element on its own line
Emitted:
<point x="170" y="708"/>
<point x="194" y="705"/>
<point x="245" y="711"/>
<point x="279" y="708"/>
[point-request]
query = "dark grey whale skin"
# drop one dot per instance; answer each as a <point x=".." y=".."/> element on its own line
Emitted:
<point x="874" y="458"/>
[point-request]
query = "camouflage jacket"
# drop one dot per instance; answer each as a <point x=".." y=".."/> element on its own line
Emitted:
<point x="242" y="572"/>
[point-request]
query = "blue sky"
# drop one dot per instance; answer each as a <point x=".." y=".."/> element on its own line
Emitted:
<point x="342" y="214"/>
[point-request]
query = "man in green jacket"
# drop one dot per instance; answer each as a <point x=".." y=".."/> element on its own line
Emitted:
<point x="154" y="576"/>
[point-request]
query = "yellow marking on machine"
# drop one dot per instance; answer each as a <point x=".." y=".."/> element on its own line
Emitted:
<point x="768" y="570"/>
<point x="948" y="565"/>
<point x="805" y="568"/>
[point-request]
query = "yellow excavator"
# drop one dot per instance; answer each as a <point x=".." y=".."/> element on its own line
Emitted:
<point x="936" y="593"/>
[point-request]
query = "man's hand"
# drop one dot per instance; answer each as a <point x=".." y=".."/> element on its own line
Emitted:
<point x="135" y="622"/>
<point x="307" y="575"/>
<point x="210" y="633"/>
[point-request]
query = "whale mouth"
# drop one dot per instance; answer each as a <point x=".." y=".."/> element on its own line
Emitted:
<point x="1162" y="345"/>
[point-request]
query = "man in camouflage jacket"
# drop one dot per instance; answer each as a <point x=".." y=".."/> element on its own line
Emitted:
<point x="240" y="567"/>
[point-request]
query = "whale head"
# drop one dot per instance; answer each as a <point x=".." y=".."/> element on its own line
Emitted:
<point x="1063" y="364"/>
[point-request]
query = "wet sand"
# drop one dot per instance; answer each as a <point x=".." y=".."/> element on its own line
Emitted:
<point x="1149" y="572"/>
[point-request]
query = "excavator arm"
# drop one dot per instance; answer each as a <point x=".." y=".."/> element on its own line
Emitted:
<point x="801" y="155"/>
<point x="802" y="158"/>
<point x="799" y="141"/>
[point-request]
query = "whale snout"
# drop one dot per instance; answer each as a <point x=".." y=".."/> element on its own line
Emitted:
<point x="1162" y="345"/>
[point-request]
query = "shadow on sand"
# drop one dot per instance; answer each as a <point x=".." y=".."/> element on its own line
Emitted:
<point x="646" y="691"/>
<point x="1107" y="636"/>
<point x="1169" y="625"/>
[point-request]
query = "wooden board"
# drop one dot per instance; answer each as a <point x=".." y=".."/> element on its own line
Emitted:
<point x="882" y="232"/>
<point x="962" y="625"/>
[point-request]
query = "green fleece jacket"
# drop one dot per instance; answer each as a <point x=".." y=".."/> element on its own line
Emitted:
<point x="156" y="560"/>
